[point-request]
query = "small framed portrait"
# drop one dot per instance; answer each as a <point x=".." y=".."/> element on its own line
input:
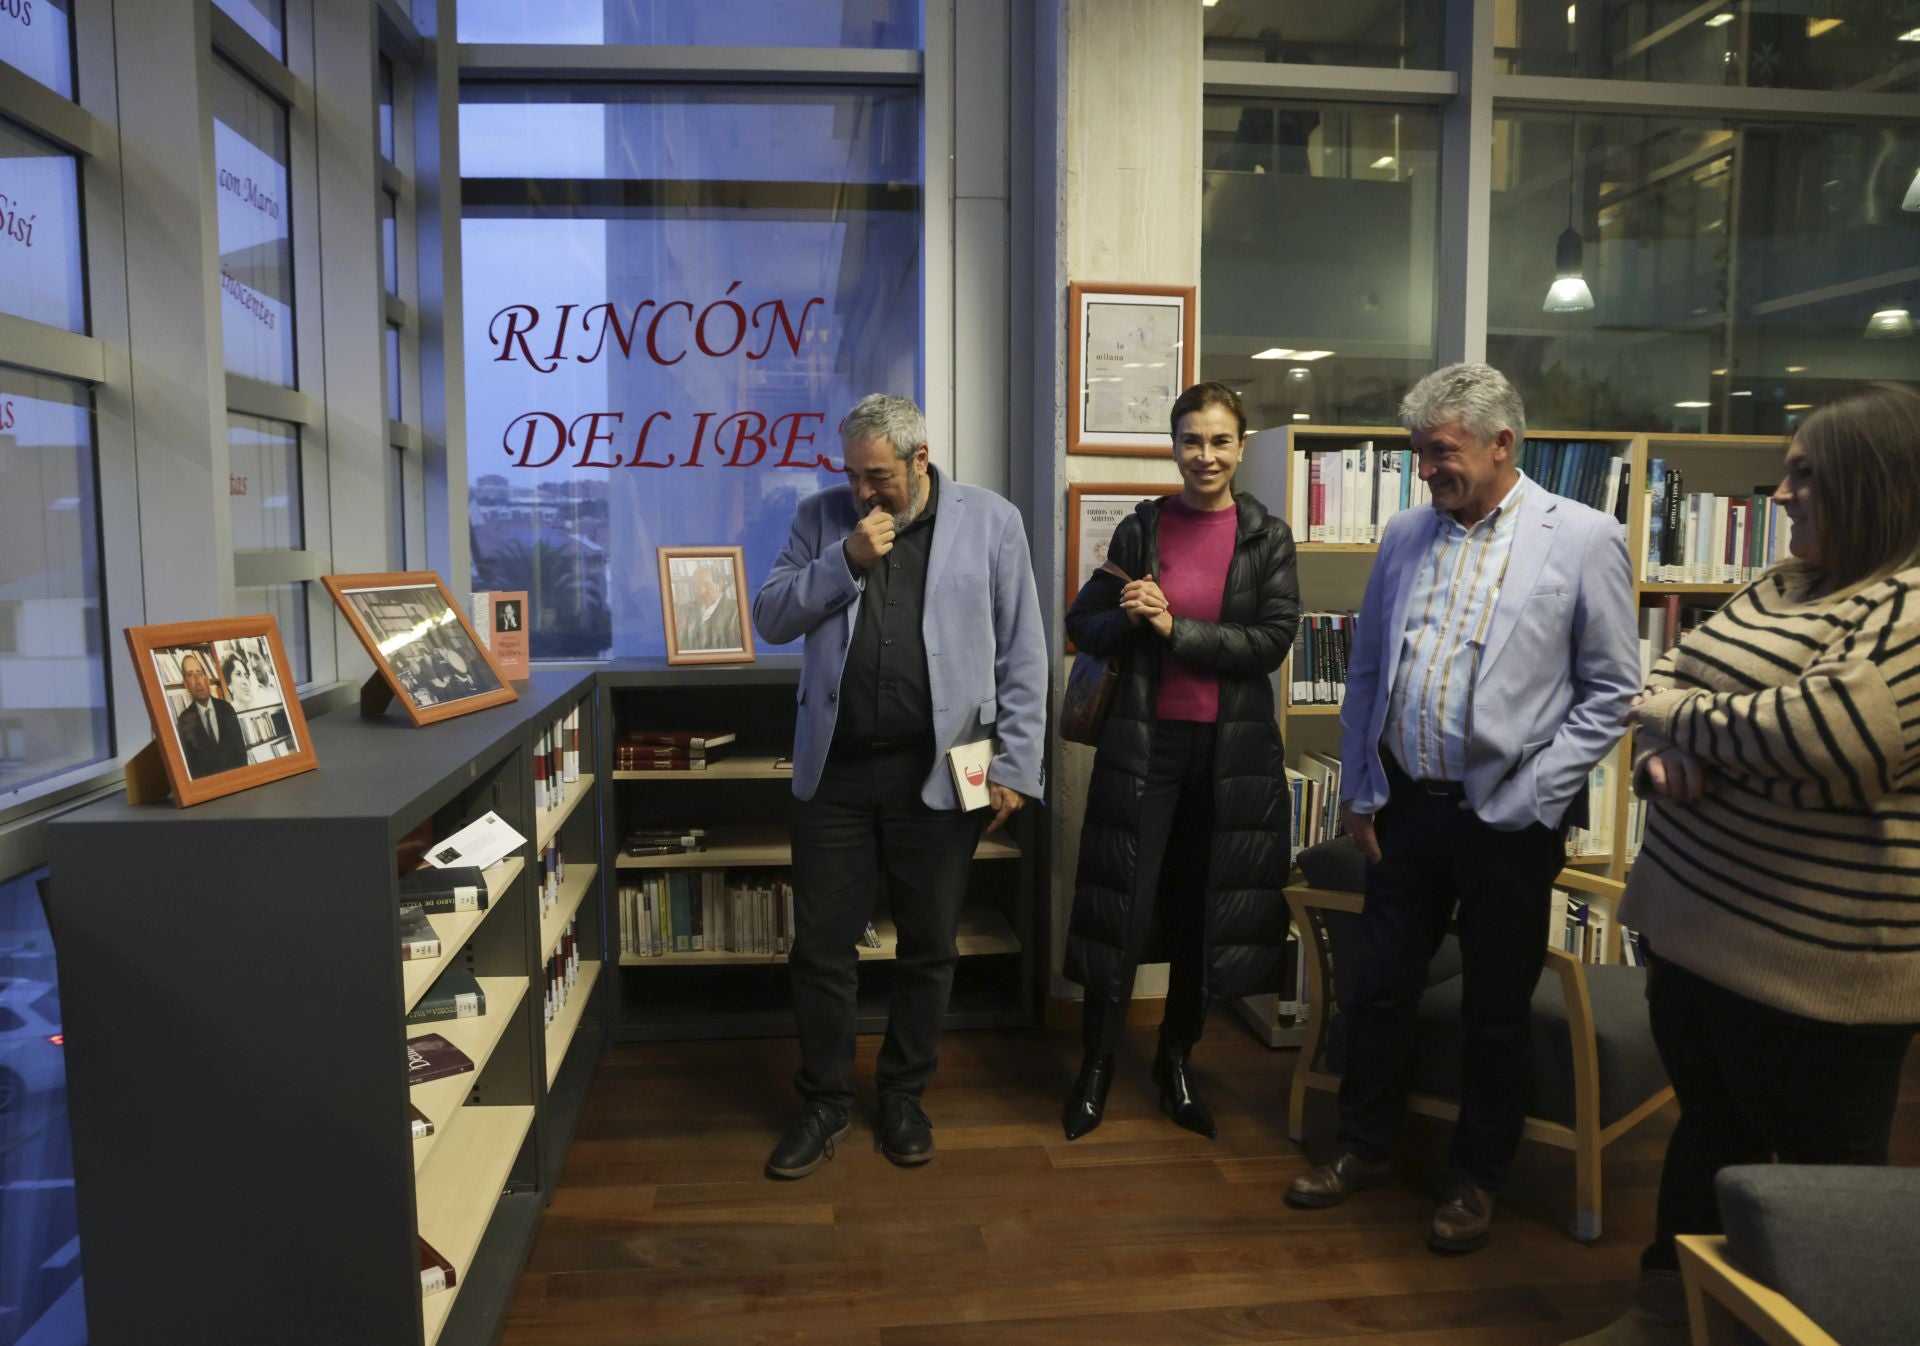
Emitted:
<point x="222" y="700"/>
<point x="425" y="648"/>
<point x="703" y="601"/>
<point x="1129" y="356"/>
<point x="1094" y="510"/>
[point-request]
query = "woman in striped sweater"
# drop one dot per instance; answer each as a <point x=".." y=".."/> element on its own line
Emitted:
<point x="1779" y="887"/>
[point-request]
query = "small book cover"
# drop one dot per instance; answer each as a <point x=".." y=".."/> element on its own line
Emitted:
<point x="421" y="1125"/>
<point x="463" y="888"/>
<point x="969" y="762"/>
<point x="436" y="1272"/>
<point x="500" y="617"/>
<point x="455" y="994"/>
<point x="418" y="938"/>
<point x="432" y="1057"/>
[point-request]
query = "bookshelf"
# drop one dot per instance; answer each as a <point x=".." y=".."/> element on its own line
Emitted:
<point x="238" y="1002"/>
<point x="720" y="993"/>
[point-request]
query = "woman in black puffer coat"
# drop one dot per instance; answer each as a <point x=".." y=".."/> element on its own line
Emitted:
<point x="1186" y="835"/>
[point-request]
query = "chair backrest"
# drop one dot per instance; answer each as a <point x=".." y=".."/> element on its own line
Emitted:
<point x="1337" y="866"/>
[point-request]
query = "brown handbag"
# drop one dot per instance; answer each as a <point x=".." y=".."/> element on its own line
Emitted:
<point x="1089" y="690"/>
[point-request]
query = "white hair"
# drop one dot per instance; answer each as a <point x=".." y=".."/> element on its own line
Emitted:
<point x="1478" y="396"/>
<point x="887" y="416"/>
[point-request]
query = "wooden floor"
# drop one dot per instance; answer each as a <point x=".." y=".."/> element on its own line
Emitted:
<point x="664" y="1230"/>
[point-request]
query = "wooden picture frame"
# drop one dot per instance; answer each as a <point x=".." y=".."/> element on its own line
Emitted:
<point x="427" y="654"/>
<point x="705" y="625"/>
<point x="1140" y="340"/>
<point x="1098" y="506"/>
<point x="244" y="688"/>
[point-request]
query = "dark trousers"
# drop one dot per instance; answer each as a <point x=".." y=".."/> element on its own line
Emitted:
<point x="866" y="832"/>
<point x="1753" y="1085"/>
<point x="1169" y="886"/>
<point x="1435" y="854"/>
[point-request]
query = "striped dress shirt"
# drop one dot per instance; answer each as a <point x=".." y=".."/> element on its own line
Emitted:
<point x="1430" y="714"/>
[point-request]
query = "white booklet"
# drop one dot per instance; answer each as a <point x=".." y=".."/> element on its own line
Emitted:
<point x="969" y="762"/>
<point x="484" y="843"/>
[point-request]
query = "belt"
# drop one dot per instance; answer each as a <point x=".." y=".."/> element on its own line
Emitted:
<point x="876" y="747"/>
<point x="1439" y="789"/>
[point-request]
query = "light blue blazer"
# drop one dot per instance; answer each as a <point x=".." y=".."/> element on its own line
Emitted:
<point x="1562" y="663"/>
<point x="986" y="650"/>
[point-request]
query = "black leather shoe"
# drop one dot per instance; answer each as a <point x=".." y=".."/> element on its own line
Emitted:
<point x="906" y="1136"/>
<point x="1334" y="1181"/>
<point x="1088" y="1098"/>
<point x="1177" y="1098"/>
<point x="807" y="1141"/>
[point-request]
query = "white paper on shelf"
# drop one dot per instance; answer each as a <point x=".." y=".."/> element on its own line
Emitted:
<point x="484" y="843"/>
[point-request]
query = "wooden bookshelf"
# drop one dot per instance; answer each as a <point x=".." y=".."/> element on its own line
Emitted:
<point x="755" y="767"/>
<point x="455" y="928"/>
<point x="548" y="822"/>
<point x="982" y="931"/>
<point x="477" y="1036"/>
<point x="456" y="1196"/>
<point x="1337" y="548"/>
<point x="749" y="847"/>
<point x="565" y="1024"/>
<point x="1310" y="708"/>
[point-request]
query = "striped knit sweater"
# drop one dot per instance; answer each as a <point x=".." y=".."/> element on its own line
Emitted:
<point x="1794" y="880"/>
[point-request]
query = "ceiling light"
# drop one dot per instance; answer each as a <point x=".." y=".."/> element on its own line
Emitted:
<point x="1302" y="416"/>
<point x="1311" y="355"/>
<point x="1741" y="392"/>
<point x="1570" y="12"/>
<point x="1693" y="406"/>
<point x="1911" y="35"/>
<point x="1796" y="369"/>
<point x="1274" y="353"/>
<point x="1816" y="27"/>
<point x="1912" y="199"/>
<point x="1888" y="324"/>
<point x="1799" y="406"/>
<point x="1208" y="4"/>
<point x="1569" y="292"/>
<point x="1720" y="20"/>
<point x="1384" y="161"/>
<point x="1719" y="373"/>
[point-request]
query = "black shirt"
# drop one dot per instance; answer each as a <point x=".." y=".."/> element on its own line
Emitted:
<point x="886" y="696"/>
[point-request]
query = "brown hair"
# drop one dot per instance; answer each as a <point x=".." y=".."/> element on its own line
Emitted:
<point x="1204" y="395"/>
<point x="1864" y="450"/>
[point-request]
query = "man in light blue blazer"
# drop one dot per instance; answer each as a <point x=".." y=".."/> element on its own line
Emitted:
<point x="923" y="632"/>
<point x="1495" y="655"/>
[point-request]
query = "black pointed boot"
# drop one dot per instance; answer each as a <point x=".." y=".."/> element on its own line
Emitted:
<point x="1099" y="1032"/>
<point x="1177" y="1098"/>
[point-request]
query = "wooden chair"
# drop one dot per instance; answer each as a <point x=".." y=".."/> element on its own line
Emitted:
<point x="1722" y="1300"/>
<point x="1616" y="1080"/>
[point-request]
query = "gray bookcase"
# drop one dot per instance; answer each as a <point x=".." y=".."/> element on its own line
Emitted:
<point x="236" y="1035"/>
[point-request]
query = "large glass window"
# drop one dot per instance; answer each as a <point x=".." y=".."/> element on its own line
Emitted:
<point x="264" y="482"/>
<point x="41" y="276"/>
<point x="53" y="673"/>
<point x="738" y="23"/>
<point x="1787" y="44"/>
<point x="288" y="604"/>
<point x="40" y="1295"/>
<point x="264" y="20"/>
<point x="1317" y="256"/>
<point x="256" y="238"/>
<point x="1739" y="273"/>
<point x="693" y="283"/>
<point x="37" y="39"/>
<point x="1400" y="33"/>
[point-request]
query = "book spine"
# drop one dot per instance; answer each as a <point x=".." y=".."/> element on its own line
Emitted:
<point x="1316" y="497"/>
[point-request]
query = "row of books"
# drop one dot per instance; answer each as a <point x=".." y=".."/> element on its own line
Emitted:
<point x="670" y="749"/>
<point x="1596" y="838"/>
<point x="1699" y="537"/>
<point x="556" y="760"/>
<point x="1313" y="800"/>
<point x="1579" y="927"/>
<point x="1594" y="472"/>
<point x="1347" y="495"/>
<point x="664" y="840"/>
<point x="1321" y="648"/>
<point x="562" y="972"/>
<point x="705" y="911"/>
<point x="553" y="873"/>
<point x="1665" y="624"/>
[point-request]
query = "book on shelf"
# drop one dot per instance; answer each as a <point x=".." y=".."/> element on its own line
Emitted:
<point x="1348" y="495"/>
<point x="664" y="840"/>
<point x="1699" y="537"/>
<point x="432" y="1057"/>
<point x="870" y="938"/>
<point x="1664" y="624"/>
<point x="419" y="1124"/>
<point x="1596" y="838"/>
<point x="418" y="939"/>
<point x="629" y="759"/>
<point x="1313" y="800"/>
<point x="562" y="971"/>
<point x="1317" y="668"/>
<point x="455" y="994"/>
<point x="685" y="740"/>
<point x="436" y="1272"/>
<point x="705" y="911"/>
<point x="1579" y="927"/>
<point x="463" y="888"/>
<point x="1594" y="472"/>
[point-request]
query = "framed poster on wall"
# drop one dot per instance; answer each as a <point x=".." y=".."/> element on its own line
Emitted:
<point x="1094" y="509"/>
<point x="1129" y="356"/>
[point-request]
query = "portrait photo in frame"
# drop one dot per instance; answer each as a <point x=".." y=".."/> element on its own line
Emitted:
<point x="226" y="716"/>
<point x="1094" y="510"/>
<point x="703" y="603"/>
<point x="424" y="648"/>
<point x="1129" y="357"/>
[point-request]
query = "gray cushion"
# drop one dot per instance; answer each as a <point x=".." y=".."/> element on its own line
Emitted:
<point x="1836" y="1241"/>
<point x="1336" y="865"/>
<point x="1630" y="1070"/>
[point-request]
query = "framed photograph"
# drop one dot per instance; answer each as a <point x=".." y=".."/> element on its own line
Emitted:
<point x="424" y="646"/>
<point x="1129" y="357"/>
<point x="1094" y="510"/>
<point x="221" y="697"/>
<point x="703" y="601"/>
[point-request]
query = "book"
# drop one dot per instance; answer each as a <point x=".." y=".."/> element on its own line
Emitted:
<point x="687" y="740"/>
<point x="623" y="762"/>
<point x="432" y="1057"/>
<point x="463" y="888"/>
<point x="418" y="939"/>
<point x="968" y="763"/>
<point x="436" y="1272"/>
<point x="455" y="994"/>
<point x="420" y="1125"/>
<point x="500" y="620"/>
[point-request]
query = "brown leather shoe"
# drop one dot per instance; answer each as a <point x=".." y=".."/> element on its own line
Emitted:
<point x="1461" y="1223"/>
<point x="1334" y="1181"/>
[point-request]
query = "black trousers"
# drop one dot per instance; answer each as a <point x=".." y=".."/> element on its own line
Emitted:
<point x="1435" y="854"/>
<point x="1755" y="1084"/>
<point x="1169" y="886"/>
<point x="866" y="833"/>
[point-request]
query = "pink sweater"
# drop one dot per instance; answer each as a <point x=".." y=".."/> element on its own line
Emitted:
<point x="1195" y="549"/>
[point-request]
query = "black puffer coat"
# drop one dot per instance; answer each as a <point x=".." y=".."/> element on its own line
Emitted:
<point x="1246" y="916"/>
